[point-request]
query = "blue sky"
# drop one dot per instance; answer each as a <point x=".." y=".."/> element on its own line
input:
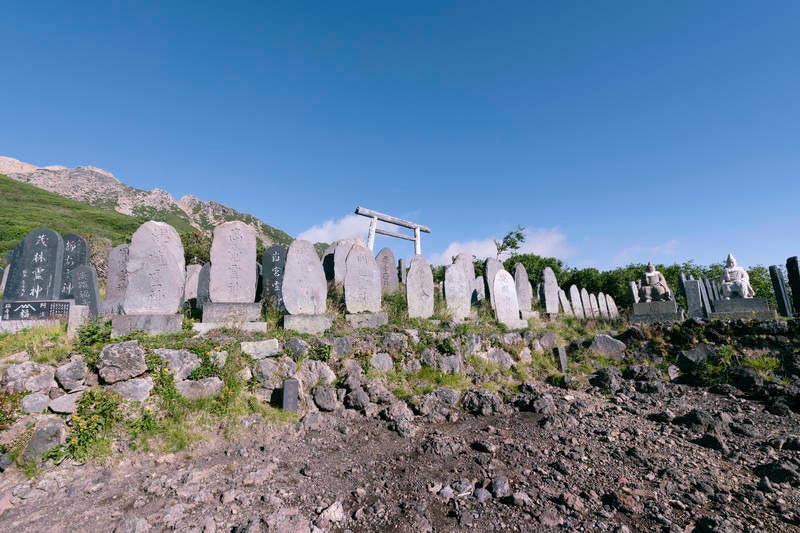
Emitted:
<point x="616" y="132"/>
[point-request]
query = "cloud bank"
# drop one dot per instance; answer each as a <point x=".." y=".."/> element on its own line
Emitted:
<point x="347" y="227"/>
<point x="546" y="242"/>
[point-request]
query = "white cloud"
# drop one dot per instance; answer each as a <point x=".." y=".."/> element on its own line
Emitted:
<point x="642" y="253"/>
<point x="348" y="227"/>
<point x="546" y="242"/>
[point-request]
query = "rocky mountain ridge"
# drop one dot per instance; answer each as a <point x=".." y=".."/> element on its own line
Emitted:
<point x="101" y="188"/>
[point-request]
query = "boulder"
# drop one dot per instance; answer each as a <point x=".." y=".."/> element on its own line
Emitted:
<point x="201" y="388"/>
<point x="608" y="346"/>
<point x="382" y="362"/>
<point x="689" y="360"/>
<point x="136" y="390"/>
<point x="72" y="375"/>
<point x="35" y="403"/>
<point x="438" y="405"/>
<point x="297" y="347"/>
<point x="261" y="349"/>
<point x="325" y="397"/>
<point x="181" y="363"/>
<point x="49" y="432"/>
<point x="118" y="362"/>
<point x="400" y="419"/>
<point x="66" y="404"/>
<point x="29" y="376"/>
<point x="608" y="379"/>
<point x="482" y="402"/>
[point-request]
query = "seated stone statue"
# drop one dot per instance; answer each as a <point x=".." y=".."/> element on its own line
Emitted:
<point x="653" y="285"/>
<point x="735" y="281"/>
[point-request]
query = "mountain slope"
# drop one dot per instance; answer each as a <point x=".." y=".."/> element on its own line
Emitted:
<point x="102" y="189"/>
<point x="25" y="207"/>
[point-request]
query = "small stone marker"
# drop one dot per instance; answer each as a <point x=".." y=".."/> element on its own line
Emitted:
<point x="36" y="267"/>
<point x="291" y="391"/>
<point x="634" y="291"/>
<point x="550" y="291"/>
<point x="479" y="289"/>
<point x="362" y="281"/>
<point x="156" y="270"/>
<point x="76" y="253"/>
<point x="613" y="311"/>
<point x="505" y="299"/>
<point x="694" y="299"/>
<point x="274" y="267"/>
<point x="595" y="306"/>
<point x="587" y="304"/>
<point x="401" y="266"/>
<point x="565" y="305"/>
<point x="793" y="273"/>
<point x="575" y="301"/>
<point x="457" y="292"/>
<point x="203" y="279"/>
<point x="304" y="287"/>
<point x="524" y="288"/>
<point x="561" y="353"/>
<point x="781" y="295"/>
<point x="388" y="272"/>
<point x="419" y="288"/>
<point x="233" y="261"/>
<point x="116" y="279"/>
<point x="85" y="289"/>
<point x="603" y="305"/>
<point x="190" y="286"/>
<point x="491" y="268"/>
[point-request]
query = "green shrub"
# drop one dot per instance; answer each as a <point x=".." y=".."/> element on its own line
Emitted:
<point x="98" y="411"/>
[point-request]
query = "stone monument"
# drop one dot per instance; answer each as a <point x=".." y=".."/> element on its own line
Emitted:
<point x="156" y="272"/>
<point x="587" y="304"/>
<point x="735" y="281"/>
<point x="505" y="298"/>
<point x="603" y="304"/>
<point x="524" y="291"/>
<point x="76" y="253"/>
<point x="550" y="292"/>
<point x="192" y="279"/>
<point x="85" y="290"/>
<point x="116" y="280"/>
<point x="738" y="301"/>
<point x="362" y="289"/>
<point x="781" y="294"/>
<point x="793" y="273"/>
<point x="575" y="301"/>
<point x="564" y="301"/>
<point x="655" y="301"/>
<point x="388" y="271"/>
<point x="491" y="268"/>
<point x="419" y="288"/>
<point x="274" y="266"/>
<point x="36" y="267"/>
<point x="305" y="290"/>
<point x="457" y="292"/>
<point x="613" y="311"/>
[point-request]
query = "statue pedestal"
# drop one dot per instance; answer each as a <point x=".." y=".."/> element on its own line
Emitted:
<point x="661" y="311"/>
<point x="742" y="308"/>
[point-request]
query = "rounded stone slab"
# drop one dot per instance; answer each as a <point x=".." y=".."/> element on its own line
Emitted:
<point x="388" y="269"/>
<point x="575" y="301"/>
<point x="457" y="291"/>
<point x="36" y="268"/>
<point x="116" y="277"/>
<point x="419" y="288"/>
<point x="362" y="282"/>
<point x="565" y="305"/>
<point x="603" y="305"/>
<point x="233" y="276"/>
<point x="156" y="270"/>
<point x="506" y="307"/>
<point x="550" y="290"/>
<point x="340" y="253"/>
<point x="524" y="288"/>
<point x="613" y="312"/>
<point x="192" y="279"/>
<point x="595" y="306"/>
<point x="304" y="288"/>
<point x="493" y="266"/>
<point x="587" y="304"/>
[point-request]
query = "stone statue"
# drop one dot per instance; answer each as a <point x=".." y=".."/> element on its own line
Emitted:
<point x="735" y="281"/>
<point x="653" y="285"/>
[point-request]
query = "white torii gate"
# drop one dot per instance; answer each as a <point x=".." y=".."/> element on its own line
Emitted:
<point x="373" y="228"/>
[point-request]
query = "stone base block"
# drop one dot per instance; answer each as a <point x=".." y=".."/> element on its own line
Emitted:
<point x="742" y="308"/>
<point x="78" y="315"/>
<point x="231" y="313"/>
<point x="368" y="320"/>
<point x="527" y="315"/>
<point x="312" y="324"/>
<point x="519" y="324"/>
<point x="255" y="327"/>
<point x="151" y="324"/>
<point x="660" y="311"/>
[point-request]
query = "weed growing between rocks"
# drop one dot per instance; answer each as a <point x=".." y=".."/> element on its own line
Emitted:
<point x="91" y="426"/>
<point x="42" y="345"/>
<point x="9" y="408"/>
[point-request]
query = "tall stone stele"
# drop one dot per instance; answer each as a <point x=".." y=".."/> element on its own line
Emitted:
<point x="506" y="306"/>
<point x="524" y="288"/>
<point x="362" y="281"/>
<point x="76" y="253"/>
<point x="233" y="263"/>
<point x="156" y="272"/>
<point x="116" y="280"/>
<point x="36" y="267"/>
<point x="419" y="288"/>
<point x="550" y="291"/>
<point x="390" y="282"/>
<point x="273" y="269"/>
<point x="457" y="291"/>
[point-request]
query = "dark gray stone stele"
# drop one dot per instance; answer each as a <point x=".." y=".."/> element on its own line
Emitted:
<point x="203" y="279"/>
<point x="36" y="267"/>
<point x="793" y="272"/>
<point x="274" y="266"/>
<point x="694" y="299"/>
<point x="85" y="290"/>
<point x="259" y="282"/>
<point x="781" y="294"/>
<point x="291" y="390"/>
<point x="41" y="310"/>
<point x="561" y="353"/>
<point x="401" y="266"/>
<point x="76" y="253"/>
